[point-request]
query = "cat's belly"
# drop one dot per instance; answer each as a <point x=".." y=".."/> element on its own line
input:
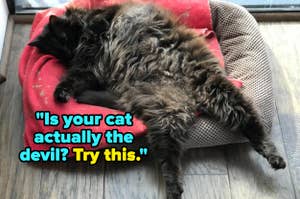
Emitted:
<point x="154" y="68"/>
<point x="132" y="18"/>
<point x="145" y="45"/>
<point x="147" y="100"/>
<point x="134" y="46"/>
<point x="135" y="23"/>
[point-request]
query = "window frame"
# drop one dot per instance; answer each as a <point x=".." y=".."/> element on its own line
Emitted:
<point x="260" y="14"/>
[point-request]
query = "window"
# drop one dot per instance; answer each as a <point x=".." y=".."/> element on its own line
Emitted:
<point x="269" y="5"/>
<point x="31" y="6"/>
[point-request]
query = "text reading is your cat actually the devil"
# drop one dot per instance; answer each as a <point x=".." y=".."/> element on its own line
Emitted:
<point x="60" y="141"/>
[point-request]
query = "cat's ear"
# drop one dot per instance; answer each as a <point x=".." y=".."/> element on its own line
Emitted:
<point x="54" y="20"/>
<point x="57" y="25"/>
<point x="71" y="11"/>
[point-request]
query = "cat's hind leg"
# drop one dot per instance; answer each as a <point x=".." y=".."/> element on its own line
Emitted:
<point x="168" y="113"/>
<point x="167" y="152"/>
<point x="227" y="104"/>
<point x="165" y="135"/>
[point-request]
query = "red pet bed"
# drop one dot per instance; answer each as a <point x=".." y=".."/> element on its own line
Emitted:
<point x="39" y="73"/>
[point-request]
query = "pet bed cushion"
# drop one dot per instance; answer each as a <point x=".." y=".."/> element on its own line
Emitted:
<point x="39" y="73"/>
<point x="246" y="59"/>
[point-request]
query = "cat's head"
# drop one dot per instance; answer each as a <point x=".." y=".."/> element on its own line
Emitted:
<point x="60" y="37"/>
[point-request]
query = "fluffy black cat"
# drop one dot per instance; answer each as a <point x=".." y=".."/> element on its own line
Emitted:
<point x="155" y="68"/>
<point x="60" y="37"/>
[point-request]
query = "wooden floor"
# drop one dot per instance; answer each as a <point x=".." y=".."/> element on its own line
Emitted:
<point x="212" y="173"/>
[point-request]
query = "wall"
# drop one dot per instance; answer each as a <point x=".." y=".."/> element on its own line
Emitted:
<point x="3" y="22"/>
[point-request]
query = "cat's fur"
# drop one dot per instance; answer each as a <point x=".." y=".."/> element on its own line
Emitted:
<point x="160" y="71"/>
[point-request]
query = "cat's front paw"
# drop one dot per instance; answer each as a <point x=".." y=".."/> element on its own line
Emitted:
<point x="276" y="162"/>
<point x="62" y="94"/>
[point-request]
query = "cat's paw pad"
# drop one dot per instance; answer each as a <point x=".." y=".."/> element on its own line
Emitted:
<point x="62" y="94"/>
<point x="277" y="162"/>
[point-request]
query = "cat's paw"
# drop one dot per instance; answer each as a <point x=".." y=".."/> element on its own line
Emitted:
<point x="62" y="94"/>
<point x="277" y="162"/>
<point x="173" y="196"/>
<point x="174" y="192"/>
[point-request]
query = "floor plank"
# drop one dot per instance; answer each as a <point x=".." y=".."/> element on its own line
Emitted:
<point x="20" y="180"/>
<point x="250" y="175"/>
<point x="206" y="187"/>
<point x="283" y="39"/>
<point x="72" y="180"/>
<point x="17" y="180"/>
<point x="203" y="171"/>
<point x="131" y="180"/>
<point x="205" y="161"/>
